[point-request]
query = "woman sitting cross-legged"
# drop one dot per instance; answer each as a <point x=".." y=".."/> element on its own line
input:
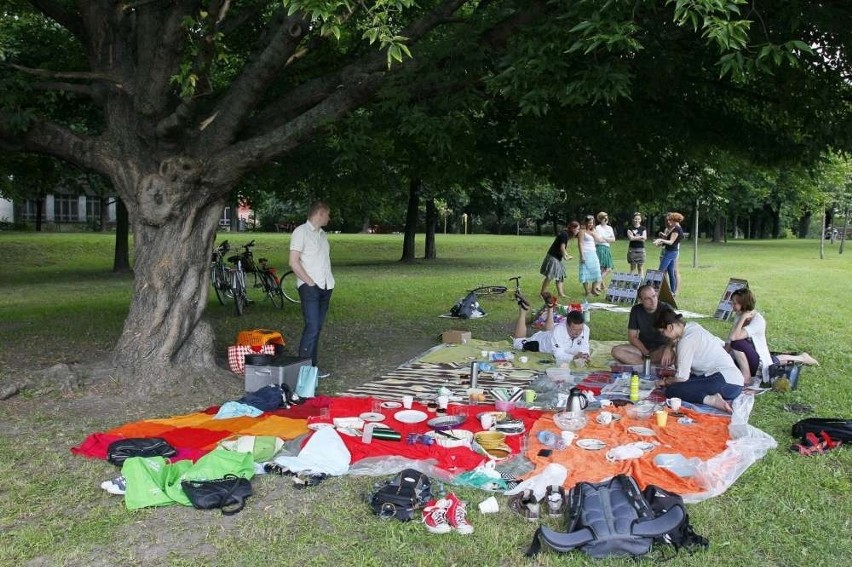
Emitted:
<point x="747" y="340"/>
<point x="706" y="373"/>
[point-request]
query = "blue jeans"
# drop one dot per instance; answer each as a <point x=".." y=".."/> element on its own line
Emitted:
<point x="667" y="264"/>
<point x="694" y="389"/>
<point x="314" y="307"/>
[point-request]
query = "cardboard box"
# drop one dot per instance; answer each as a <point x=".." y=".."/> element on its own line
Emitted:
<point x="455" y="337"/>
<point x="283" y="370"/>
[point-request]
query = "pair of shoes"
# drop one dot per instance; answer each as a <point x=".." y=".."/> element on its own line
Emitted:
<point x="117" y="486"/>
<point x="522" y="302"/>
<point x="525" y="504"/>
<point x="305" y="479"/>
<point x="323" y="374"/>
<point x="812" y="445"/>
<point x="447" y="514"/>
<point x="275" y="468"/>
<point x="556" y="501"/>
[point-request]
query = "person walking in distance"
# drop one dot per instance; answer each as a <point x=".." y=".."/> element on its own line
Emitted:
<point x="311" y="262"/>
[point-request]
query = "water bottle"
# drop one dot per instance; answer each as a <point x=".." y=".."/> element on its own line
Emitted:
<point x="647" y="369"/>
<point x="634" y="388"/>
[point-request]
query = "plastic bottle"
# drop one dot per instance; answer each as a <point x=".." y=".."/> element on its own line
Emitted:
<point x="474" y="374"/>
<point x="587" y="314"/>
<point x="634" y="388"/>
<point x="647" y="367"/>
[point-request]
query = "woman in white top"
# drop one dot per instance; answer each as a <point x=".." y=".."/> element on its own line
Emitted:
<point x="590" y="268"/>
<point x="706" y="373"/>
<point x="747" y="340"/>
<point x="606" y="236"/>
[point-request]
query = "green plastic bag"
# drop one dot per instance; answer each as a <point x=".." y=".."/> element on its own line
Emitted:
<point x="213" y="465"/>
<point x="146" y="481"/>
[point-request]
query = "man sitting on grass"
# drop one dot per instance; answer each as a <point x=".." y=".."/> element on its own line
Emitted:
<point x="644" y="339"/>
<point x="567" y="339"/>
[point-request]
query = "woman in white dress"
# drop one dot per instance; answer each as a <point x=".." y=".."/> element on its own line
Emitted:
<point x="606" y="236"/>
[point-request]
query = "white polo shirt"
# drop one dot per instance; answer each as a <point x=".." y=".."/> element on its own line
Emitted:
<point x="312" y="245"/>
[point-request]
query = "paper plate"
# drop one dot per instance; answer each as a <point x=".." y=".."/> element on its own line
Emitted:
<point x="591" y="444"/>
<point x="410" y="416"/>
<point x="644" y="431"/>
<point x="391" y="405"/>
<point x="370" y="416"/>
<point x="318" y="426"/>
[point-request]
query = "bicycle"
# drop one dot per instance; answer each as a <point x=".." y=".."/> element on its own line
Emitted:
<point x="265" y="276"/>
<point x="499" y="289"/>
<point x="219" y="277"/>
<point x="238" y="284"/>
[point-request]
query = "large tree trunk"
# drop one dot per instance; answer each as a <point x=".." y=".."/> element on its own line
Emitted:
<point x="415" y="186"/>
<point x="431" y="226"/>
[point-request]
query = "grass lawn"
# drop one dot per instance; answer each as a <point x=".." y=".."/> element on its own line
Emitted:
<point x="61" y="305"/>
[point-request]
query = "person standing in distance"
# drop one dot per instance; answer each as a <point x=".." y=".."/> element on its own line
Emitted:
<point x="311" y="262"/>
<point x="637" y="234"/>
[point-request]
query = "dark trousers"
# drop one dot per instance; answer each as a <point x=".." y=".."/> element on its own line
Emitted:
<point x="694" y="389"/>
<point x="314" y="307"/>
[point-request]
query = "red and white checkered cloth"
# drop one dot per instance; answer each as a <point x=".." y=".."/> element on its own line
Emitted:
<point x="237" y="355"/>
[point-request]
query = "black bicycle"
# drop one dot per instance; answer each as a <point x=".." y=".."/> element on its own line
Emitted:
<point x="265" y="277"/>
<point x="219" y="276"/>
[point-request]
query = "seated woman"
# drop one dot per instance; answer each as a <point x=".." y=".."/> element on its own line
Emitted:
<point x="747" y="340"/>
<point x="706" y="373"/>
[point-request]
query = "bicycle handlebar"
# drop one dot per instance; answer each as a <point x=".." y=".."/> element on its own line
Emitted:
<point x="249" y="245"/>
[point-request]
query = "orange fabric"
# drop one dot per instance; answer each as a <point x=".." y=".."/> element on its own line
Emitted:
<point x="258" y="337"/>
<point x="188" y="420"/>
<point x="705" y="438"/>
<point x="140" y="429"/>
<point x="284" y="427"/>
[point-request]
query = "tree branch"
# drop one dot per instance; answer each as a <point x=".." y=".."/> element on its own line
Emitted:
<point x="72" y="75"/>
<point x="65" y="18"/>
<point x="49" y="138"/>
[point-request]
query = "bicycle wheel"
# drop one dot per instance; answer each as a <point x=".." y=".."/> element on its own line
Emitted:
<point x="219" y="281"/>
<point x="288" y="287"/>
<point x="490" y="290"/>
<point x="239" y="290"/>
<point x="272" y="289"/>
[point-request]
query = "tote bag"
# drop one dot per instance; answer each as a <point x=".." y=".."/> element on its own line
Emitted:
<point x="306" y="384"/>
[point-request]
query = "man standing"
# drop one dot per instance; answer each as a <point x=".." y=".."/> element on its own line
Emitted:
<point x="645" y="339"/>
<point x="310" y="261"/>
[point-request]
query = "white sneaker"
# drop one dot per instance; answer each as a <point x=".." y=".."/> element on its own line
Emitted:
<point x="117" y="486"/>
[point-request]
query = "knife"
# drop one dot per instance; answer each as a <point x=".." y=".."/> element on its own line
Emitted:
<point x="445" y="434"/>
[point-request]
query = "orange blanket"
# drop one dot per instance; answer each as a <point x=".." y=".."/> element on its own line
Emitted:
<point x="705" y="438"/>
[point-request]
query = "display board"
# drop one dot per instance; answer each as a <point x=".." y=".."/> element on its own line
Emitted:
<point x="726" y="308"/>
<point x="623" y="288"/>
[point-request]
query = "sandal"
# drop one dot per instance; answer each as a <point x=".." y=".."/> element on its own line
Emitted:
<point x="522" y="302"/>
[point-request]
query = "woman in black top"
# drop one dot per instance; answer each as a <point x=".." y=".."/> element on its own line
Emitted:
<point x="668" y="262"/>
<point x="552" y="268"/>
<point x="637" y="234"/>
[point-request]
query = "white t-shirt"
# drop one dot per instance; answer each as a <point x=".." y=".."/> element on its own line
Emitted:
<point x="312" y="244"/>
<point x="558" y="342"/>
<point x="702" y="353"/>
<point x="756" y="331"/>
<point x="605" y="232"/>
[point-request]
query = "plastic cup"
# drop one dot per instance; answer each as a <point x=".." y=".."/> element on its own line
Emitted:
<point x="407" y="401"/>
<point x="443" y="401"/>
<point x="662" y="418"/>
<point x="568" y="437"/>
<point x="376" y="406"/>
<point x="489" y="506"/>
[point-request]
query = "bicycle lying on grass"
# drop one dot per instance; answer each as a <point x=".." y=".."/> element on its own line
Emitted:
<point x="230" y="282"/>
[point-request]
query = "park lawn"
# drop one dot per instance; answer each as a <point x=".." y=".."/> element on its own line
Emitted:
<point x="61" y="304"/>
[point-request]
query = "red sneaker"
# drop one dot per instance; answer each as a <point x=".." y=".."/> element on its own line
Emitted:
<point x="435" y="516"/>
<point x="458" y="515"/>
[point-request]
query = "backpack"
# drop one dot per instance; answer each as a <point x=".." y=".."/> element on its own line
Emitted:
<point x="611" y="519"/>
<point x="837" y="428"/>
<point x="783" y="377"/>
<point x="401" y="496"/>
<point x="467" y="308"/>
<point x="682" y="536"/>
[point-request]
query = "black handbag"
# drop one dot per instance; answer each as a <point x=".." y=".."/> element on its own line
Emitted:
<point x="401" y="496"/>
<point x="227" y="493"/>
<point x="122" y="449"/>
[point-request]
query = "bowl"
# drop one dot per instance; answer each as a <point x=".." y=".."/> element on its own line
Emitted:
<point x="504" y="405"/>
<point x="641" y="410"/>
<point x="569" y="420"/>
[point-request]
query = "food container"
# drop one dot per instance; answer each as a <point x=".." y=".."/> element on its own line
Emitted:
<point x="504" y="405"/>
